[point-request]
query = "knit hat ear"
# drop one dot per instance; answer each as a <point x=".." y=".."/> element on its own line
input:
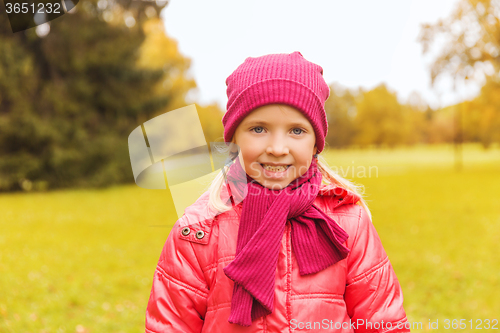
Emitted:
<point x="277" y="79"/>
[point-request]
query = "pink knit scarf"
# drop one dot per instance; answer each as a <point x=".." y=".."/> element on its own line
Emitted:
<point x="316" y="239"/>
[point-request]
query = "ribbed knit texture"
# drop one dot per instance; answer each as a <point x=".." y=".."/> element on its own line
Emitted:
<point x="316" y="239"/>
<point x="277" y="79"/>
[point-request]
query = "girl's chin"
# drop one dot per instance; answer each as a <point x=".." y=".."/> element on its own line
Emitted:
<point x="276" y="186"/>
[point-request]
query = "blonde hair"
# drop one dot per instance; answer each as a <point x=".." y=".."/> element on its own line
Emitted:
<point x="329" y="177"/>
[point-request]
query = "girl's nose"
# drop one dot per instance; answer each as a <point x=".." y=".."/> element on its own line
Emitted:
<point x="277" y="147"/>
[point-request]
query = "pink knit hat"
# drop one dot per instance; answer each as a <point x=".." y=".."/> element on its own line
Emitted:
<point x="277" y="79"/>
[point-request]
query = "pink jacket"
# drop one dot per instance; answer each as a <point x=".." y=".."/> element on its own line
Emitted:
<point x="361" y="293"/>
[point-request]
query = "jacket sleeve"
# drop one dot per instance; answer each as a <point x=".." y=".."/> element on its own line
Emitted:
<point x="177" y="302"/>
<point x="373" y="295"/>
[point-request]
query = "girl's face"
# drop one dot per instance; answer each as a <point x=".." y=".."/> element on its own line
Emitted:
<point x="277" y="144"/>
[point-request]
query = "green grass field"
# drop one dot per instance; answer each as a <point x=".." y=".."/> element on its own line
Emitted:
<point x="83" y="261"/>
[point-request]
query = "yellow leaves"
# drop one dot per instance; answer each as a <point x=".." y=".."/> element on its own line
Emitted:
<point x="160" y="52"/>
<point x="380" y="118"/>
<point x="158" y="49"/>
<point x="211" y="122"/>
<point x="466" y="38"/>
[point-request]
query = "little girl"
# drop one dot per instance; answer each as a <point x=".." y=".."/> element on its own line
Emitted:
<point x="292" y="246"/>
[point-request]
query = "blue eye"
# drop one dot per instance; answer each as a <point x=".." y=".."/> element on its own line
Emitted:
<point x="297" y="131"/>
<point x="258" y="129"/>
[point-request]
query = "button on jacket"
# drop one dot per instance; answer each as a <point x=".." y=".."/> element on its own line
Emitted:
<point x="191" y="293"/>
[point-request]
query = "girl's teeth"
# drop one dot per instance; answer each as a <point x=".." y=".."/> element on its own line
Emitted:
<point x="275" y="168"/>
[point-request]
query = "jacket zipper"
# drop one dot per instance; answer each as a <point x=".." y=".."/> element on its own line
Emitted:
<point x="288" y="256"/>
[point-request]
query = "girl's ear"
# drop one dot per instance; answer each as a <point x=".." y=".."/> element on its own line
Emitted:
<point x="315" y="150"/>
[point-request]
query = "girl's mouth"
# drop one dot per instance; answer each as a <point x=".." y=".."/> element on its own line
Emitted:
<point x="272" y="171"/>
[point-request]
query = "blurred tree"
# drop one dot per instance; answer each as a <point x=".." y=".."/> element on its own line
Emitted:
<point x="381" y="119"/>
<point x="489" y="105"/>
<point x="419" y="118"/>
<point x="160" y="52"/>
<point x="469" y="39"/>
<point x="441" y="125"/>
<point x="376" y="117"/>
<point x="482" y="115"/>
<point x="211" y="122"/>
<point x="69" y="98"/>
<point x="340" y="110"/>
<point x="470" y="50"/>
<point x="472" y="120"/>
